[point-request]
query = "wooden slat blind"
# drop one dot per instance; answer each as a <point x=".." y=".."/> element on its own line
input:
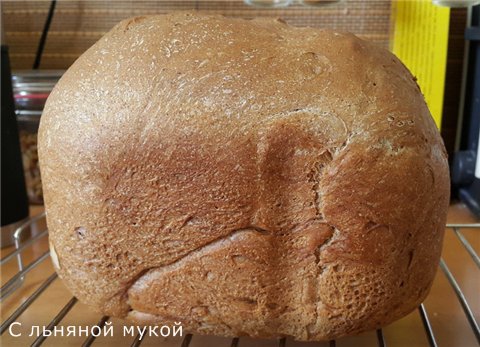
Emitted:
<point x="78" y="24"/>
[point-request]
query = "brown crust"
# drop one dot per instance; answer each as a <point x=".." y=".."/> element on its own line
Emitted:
<point x="244" y="178"/>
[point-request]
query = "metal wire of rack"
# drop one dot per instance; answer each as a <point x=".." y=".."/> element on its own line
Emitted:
<point x="18" y="279"/>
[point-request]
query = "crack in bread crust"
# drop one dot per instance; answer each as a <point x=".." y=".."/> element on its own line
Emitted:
<point x="197" y="252"/>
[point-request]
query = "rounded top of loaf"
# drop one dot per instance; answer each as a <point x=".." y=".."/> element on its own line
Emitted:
<point x="174" y="133"/>
<point x="191" y="74"/>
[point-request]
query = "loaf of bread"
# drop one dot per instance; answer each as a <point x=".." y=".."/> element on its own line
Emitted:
<point x="243" y="177"/>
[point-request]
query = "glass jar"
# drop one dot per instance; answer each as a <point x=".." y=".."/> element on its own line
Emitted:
<point x="30" y="90"/>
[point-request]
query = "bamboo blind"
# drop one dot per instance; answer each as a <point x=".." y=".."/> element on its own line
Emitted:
<point x="77" y="25"/>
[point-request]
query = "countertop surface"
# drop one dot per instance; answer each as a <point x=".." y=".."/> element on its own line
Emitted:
<point x="448" y="320"/>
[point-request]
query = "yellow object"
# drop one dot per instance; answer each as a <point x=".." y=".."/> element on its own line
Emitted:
<point x="420" y="40"/>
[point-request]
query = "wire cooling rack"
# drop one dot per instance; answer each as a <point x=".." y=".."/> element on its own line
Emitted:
<point x="18" y="279"/>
